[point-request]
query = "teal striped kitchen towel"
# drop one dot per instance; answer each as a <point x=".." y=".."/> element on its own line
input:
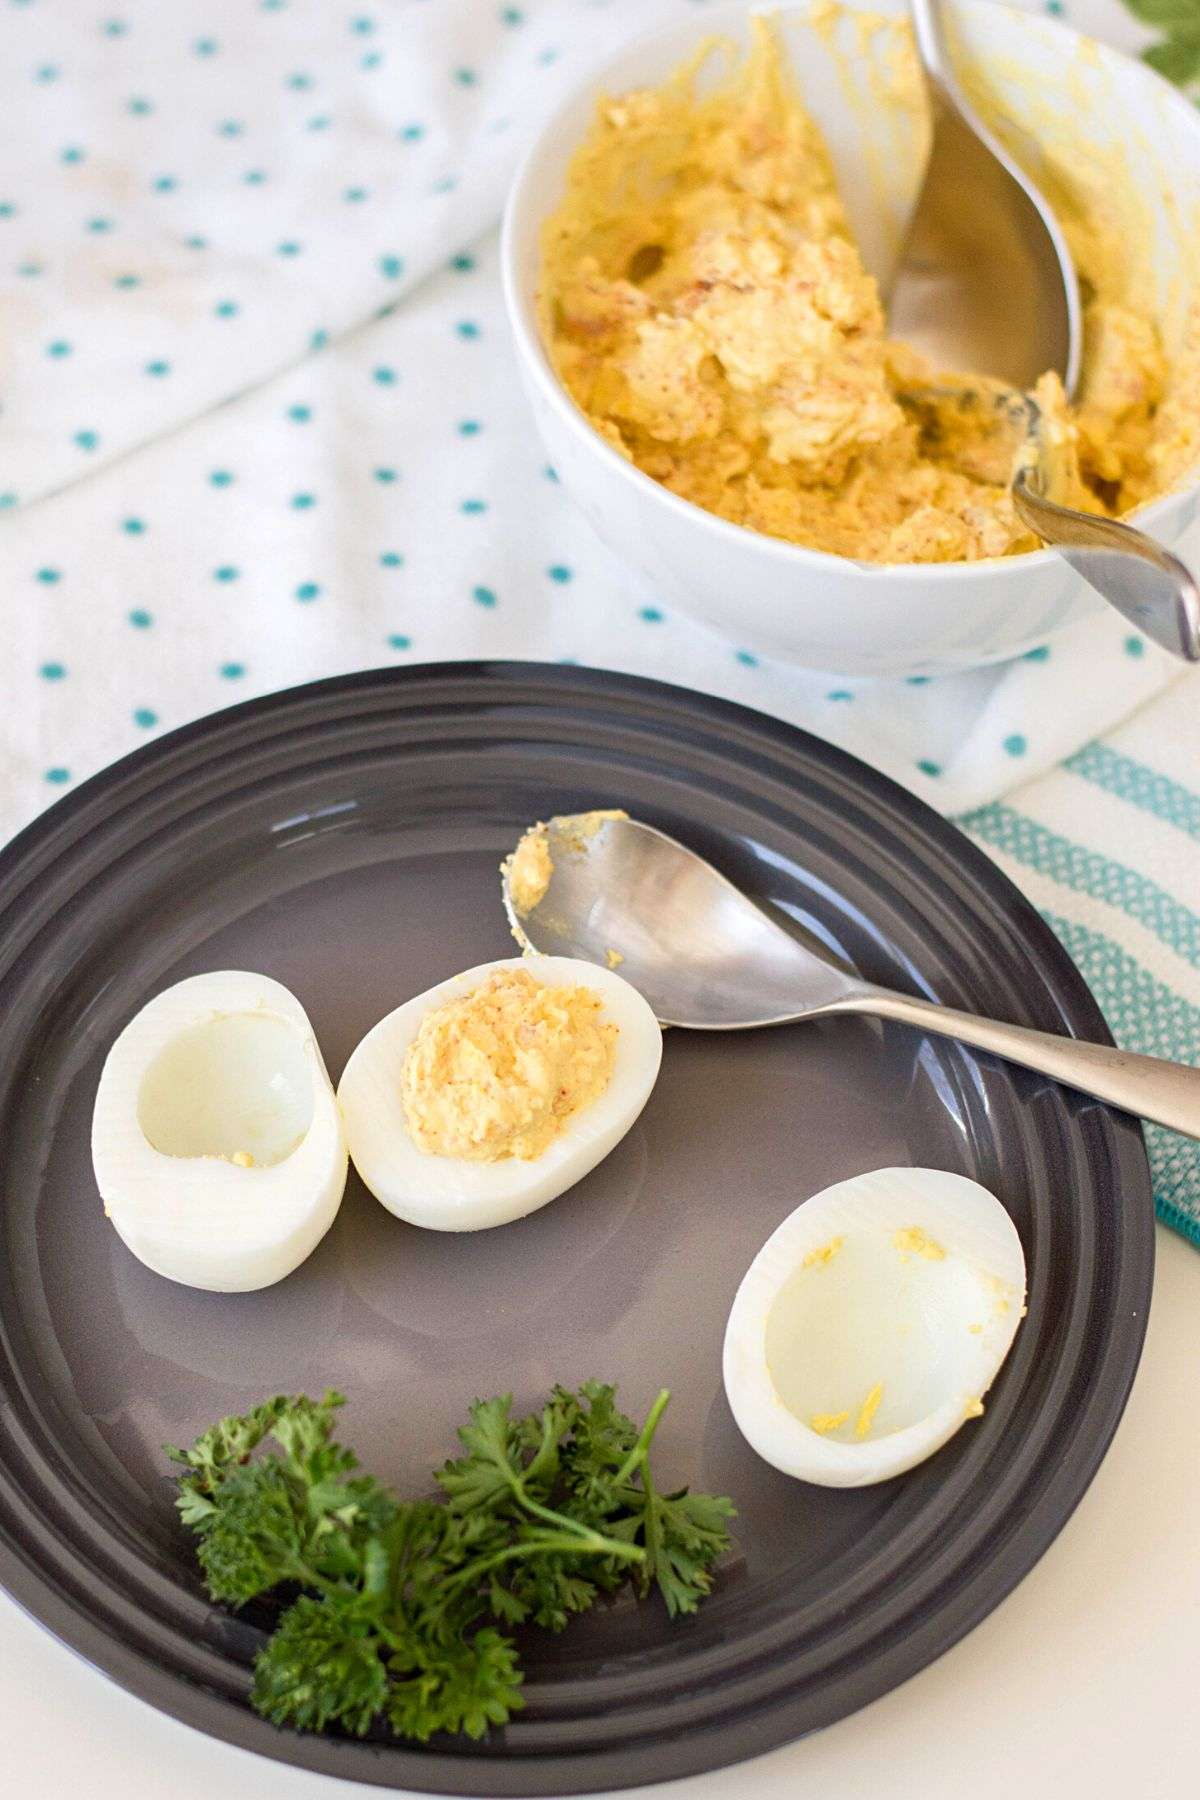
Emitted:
<point x="1107" y="846"/>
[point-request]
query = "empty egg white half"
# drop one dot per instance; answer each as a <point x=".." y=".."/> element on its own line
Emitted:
<point x="453" y="1194"/>
<point x="849" y="1309"/>
<point x="217" y="1068"/>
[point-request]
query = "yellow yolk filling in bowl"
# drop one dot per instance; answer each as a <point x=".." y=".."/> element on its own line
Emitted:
<point x="702" y="300"/>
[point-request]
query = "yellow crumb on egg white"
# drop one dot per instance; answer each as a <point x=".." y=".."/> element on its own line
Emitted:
<point x="242" y="1159"/>
<point x="824" y="1254"/>
<point x="976" y="1328"/>
<point x="914" y="1242"/>
<point x="823" y="1422"/>
<point x="869" y="1408"/>
<point x="497" y="1072"/>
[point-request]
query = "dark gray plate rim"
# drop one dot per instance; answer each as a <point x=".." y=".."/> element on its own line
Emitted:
<point x="69" y="1564"/>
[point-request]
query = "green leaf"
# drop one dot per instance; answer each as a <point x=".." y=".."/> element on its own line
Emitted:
<point x="252" y="1540"/>
<point x="540" y="1515"/>
<point x="1177" y="57"/>
<point x="486" y="1473"/>
<point x="321" y="1667"/>
<point x="467" y="1688"/>
<point x="1166" y="13"/>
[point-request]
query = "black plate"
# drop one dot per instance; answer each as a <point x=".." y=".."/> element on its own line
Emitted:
<point x="344" y="838"/>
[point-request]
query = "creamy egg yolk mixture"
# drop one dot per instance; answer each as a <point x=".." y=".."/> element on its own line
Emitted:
<point x="529" y="869"/>
<point x="498" y="1072"/>
<point x="703" y="302"/>
<point x="531" y="865"/>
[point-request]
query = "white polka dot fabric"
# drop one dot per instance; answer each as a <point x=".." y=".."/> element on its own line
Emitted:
<point x="260" y="422"/>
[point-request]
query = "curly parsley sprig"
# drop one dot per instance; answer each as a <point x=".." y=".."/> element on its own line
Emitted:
<point x="403" y="1600"/>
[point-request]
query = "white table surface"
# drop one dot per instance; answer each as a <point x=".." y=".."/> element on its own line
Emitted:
<point x="1083" y="1683"/>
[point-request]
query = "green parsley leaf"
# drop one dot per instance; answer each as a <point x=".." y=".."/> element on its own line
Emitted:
<point x="401" y="1600"/>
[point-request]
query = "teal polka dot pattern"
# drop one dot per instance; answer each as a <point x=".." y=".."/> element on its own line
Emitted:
<point x="469" y="428"/>
<point x="226" y="572"/>
<point x="651" y="615"/>
<point x="839" y="694"/>
<point x="391" y="559"/>
<point x="220" y="478"/>
<point x="145" y="717"/>
<point x="52" y="671"/>
<point x="1135" y="646"/>
<point x="1016" y="744"/>
<point x="58" y="776"/>
<point x="397" y="640"/>
<point x="484" y="596"/>
<point x="140" y="619"/>
<point x="49" y="576"/>
<point x="133" y="527"/>
<point x="560" y="573"/>
<point x="232" y="671"/>
<point x="928" y="767"/>
<point x="308" y="590"/>
<point x="473" y="506"/>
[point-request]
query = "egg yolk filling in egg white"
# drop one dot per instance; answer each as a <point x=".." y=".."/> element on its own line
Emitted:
<point x="498" y="1072"/>
<point x="494" y="1092"/>
<point x="867" y="1340"/>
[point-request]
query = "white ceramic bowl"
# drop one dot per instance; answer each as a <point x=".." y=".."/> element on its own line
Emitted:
<point x="829" y="612"/>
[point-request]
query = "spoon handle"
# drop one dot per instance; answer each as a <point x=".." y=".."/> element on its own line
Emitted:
<point x="1147" y="1086"/>
<point x="1147" y="585"/>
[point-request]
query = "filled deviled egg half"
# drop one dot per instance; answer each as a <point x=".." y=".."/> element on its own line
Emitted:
<point x="871" y="1324"/>
<point x="216" y="1139"/>
<point x="491" y="1094"/>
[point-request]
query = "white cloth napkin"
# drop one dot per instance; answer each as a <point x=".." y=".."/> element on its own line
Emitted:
<point x="260" y="423"/>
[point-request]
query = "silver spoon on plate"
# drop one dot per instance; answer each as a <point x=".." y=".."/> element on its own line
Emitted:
<point x="624" y="895"/>
<point x="986" y="281"/>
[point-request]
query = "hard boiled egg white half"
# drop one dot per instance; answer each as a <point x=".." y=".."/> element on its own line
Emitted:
<point x="216" y="1139"/>
<point x="453" y="1194"/>
<point x="871" y="1324"/>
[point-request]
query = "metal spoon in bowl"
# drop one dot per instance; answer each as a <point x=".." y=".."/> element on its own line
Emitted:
<point x="985" y="281"/>
<point x="706" y="958"/>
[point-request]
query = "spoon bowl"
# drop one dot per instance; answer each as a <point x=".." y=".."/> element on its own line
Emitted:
<point x="985" y="280"/>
